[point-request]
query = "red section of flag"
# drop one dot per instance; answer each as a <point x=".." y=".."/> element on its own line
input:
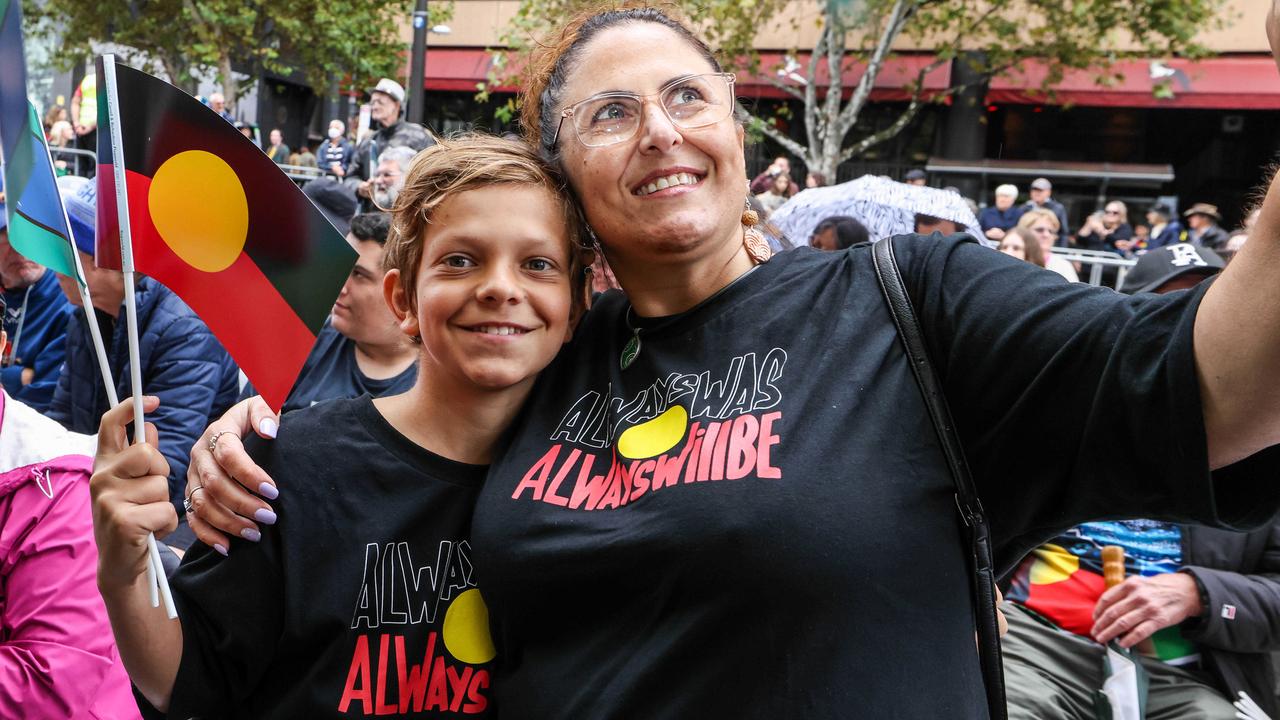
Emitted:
<point x="240" y="305"/>
<point x="1069" y="602"/>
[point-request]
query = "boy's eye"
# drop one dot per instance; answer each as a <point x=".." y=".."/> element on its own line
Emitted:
<point x="457" y="261"/>
<point x="540" y="265"/>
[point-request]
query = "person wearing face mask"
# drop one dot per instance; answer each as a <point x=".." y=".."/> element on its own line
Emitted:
<point x="727" y="497"/>
<point x="334" y="154"/>
<point x="386" y="104"/>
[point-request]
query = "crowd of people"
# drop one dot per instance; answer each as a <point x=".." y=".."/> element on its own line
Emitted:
<point x="593" y="463"/>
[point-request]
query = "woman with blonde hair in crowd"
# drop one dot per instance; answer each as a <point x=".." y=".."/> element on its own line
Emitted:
<point x="1043" y="224"/>
<point x="726" y="498"/>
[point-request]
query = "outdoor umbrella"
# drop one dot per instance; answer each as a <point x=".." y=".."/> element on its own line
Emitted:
<point x="885" y="207"/>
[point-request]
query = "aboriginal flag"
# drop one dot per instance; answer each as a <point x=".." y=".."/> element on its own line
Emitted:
<point x="215" y="221"/>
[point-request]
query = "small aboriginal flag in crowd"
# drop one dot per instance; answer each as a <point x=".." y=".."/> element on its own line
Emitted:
<point x="217" y="222"/>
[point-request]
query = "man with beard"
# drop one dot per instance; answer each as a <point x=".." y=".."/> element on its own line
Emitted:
<point x="388" y="181"/>
<point x="386" y="103"/>
<point x="36" y="321"/>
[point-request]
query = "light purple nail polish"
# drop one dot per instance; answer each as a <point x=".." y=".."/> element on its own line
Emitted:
<point x="264" y="516"/>
<point x="220" y="548"/>
<point x="268" y="491"/>
<point x="251" y="535"/>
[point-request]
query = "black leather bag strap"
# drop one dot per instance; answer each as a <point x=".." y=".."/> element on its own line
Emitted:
<point x="984" y="585"/>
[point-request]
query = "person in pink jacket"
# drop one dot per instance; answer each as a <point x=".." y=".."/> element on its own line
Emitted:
<point x="58" y="658"/>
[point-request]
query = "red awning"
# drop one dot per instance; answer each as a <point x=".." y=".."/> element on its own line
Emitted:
<point x="1247" y="82"/>
<point x="460" y="69"/>
<point x="457" y="69"/>
<point x="891" y="84"/>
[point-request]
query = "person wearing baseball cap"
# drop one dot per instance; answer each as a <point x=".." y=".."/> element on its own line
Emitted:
<point x="1172" y="267"/>
<point x="916" y="176"/>
<point x="1202" y="223"/>
<point x="386" y="105"/>
<point x="1041" y="193"/>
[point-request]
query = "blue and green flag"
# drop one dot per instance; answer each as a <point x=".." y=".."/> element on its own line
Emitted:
<point x="37" y="225"/>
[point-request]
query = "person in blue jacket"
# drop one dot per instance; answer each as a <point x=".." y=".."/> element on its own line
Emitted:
<point x="181" y="361"/>
<point x="1164" y="229"/>
<point x="36" y="321"/>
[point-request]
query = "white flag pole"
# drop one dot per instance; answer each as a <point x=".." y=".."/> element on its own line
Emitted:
<point x="85" y="299"/>
<point x="155" y="571"/>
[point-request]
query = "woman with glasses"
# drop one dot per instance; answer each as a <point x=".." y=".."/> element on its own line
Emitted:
<point x="1044" y="225"/>
<point x="725" y="499"/>
<point x="1108" y="230"/>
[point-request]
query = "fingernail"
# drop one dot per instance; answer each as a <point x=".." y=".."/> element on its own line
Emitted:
<point x="268" y="491"/>
<point x="269" y="427"/>
<point x="251" y="535"/>
<point x="220" y="548"/>
<point x="264" y="516"/>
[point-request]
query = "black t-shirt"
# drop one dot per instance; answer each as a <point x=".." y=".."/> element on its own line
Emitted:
<point x="755" y="519"/>
<point x="331" y="371"/>
<point x="361" y="600"/>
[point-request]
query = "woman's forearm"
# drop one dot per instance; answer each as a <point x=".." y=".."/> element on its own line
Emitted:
<point x="150" y="643"/>
<point x="1237" y="345"/>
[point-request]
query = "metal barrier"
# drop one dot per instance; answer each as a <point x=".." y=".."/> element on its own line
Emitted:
<point x="301" y="174"/>
<point x="75" y="158"/>
<point x="1097" y="259"/>
<point x="76" y="155"/>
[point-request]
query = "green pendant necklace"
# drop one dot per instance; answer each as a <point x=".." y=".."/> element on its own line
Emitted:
<point x="631" y="350"/>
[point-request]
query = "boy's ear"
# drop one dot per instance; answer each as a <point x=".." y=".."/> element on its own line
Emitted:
<point x="398" y="300"/>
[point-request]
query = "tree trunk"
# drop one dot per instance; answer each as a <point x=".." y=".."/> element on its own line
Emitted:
<point x="230" y="89"/>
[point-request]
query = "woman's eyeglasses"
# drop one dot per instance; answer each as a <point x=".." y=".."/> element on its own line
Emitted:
<point x="689" y="102"/>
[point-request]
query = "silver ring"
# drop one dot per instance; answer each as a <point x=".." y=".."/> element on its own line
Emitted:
<point x="213" y="440"/>
<point x="186" y="503"/>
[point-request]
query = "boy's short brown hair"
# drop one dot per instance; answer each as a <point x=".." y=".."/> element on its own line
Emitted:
<point x="468" y="162"/>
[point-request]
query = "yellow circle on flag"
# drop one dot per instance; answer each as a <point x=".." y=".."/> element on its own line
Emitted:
<point x="198" y="205"/>
<point x="466" y="629"/>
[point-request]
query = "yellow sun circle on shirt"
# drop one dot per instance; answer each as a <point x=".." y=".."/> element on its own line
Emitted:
<point x="656" y="436"/>
<point x="466" y="629"/>
<point x="198" y="205"/>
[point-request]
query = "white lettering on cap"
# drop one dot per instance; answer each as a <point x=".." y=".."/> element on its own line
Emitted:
<point x="1184" y="255"/>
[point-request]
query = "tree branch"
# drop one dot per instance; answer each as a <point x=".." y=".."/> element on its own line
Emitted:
<point x="875" y="138"/>
<point x="792" y="146"/>
<point x="898" y="16"/>
<point x="788" y="89"/>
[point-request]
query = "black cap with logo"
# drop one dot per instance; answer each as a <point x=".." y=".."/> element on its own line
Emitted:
<point x="1161" y="265"/>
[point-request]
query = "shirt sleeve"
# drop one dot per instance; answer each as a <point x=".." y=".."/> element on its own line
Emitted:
<point x="232" y="611"/>
<point x="1073" y="402"/>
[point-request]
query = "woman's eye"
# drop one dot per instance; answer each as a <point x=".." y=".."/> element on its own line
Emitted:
<point x="609" y="113"/>
<point x="686" y="95"/>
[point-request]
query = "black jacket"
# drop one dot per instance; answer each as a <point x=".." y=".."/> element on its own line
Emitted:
<point x="364" y="160"/>
<point x="1213" y="237"/>
<point x="1240" y="574"/>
